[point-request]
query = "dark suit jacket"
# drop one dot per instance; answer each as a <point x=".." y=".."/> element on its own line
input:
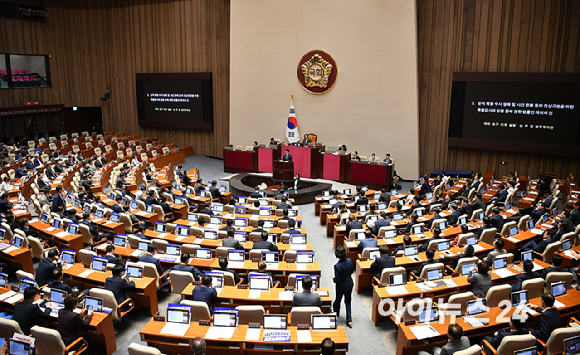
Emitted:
<point x="497" y="222"/>
<point x="517" y="286"/>
<point x="118" y="286"/>
<point x="94" y="230"/>
<point x="454" y="217"/>
<point x="425" y="188"/>
<point x="57" y="200"/>
<point x="381" y="263"/>
<point x="502" y="196"/>
<point x="343" y="270"/>
<point x="27" y="315"/>
<point x="204" y="294"/>
<point x="41" y="184"/>
<point x="549" y="320"/>
<point x="114" y="260"/>
<point x="5" y="206"/>
<point x="575" y="217"/>
<point x="265" y="245"/>
<point x="306" y="298"/>
<point x="381" y="222"/>
<point x="148" y="258"/>
<point x="69" y="322"/>
<point x="482" y="228"/>
<point x="467" y="210"/>
<point x="425" y="263"/>
<point x="116" y="208"/>
<point x="455" y="260"/>
<point x="150" y="200"/>
<point x="362" y="201"/>
<point x="215" y="192"/>
<point x="236" y="276"/>
<point x="550" y="269"/>
<point x="44" y="271"/>
<point x="477" y="205"/>
<point x="415" y="206"/>
<point x="287" y="157"/>
<point x="188" y="268"/>
<point x="353" y="225"/>
<point x="432" y="220"/>
<point x="283" y="205"/>
<point x="230" y="242"/>
<point x="60" y="285"/>
<point x="206" y="211"/>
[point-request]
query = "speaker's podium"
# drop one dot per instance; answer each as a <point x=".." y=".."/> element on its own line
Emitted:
<point x="283" y="170"/>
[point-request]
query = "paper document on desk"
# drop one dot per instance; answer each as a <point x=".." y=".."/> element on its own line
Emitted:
<point x="49" y="229"/>
<point x="236" y="264"/>
<point x="350" y="244"/>
<point x="174" y="329"/>
<point x="547" y="226"/>
<point x="254" y="294"/>
<point x="137" y="253"/>
<point x="301" y="267"/>
<point x="9" y="249"/>
<point x="529" y="199"/>
<point x="424" y="331"/>
<point x="212" y="333"/>
<point x="537" y="267"/>
<point x="536" y="231"/>
<point x="161" y="235"/>
<point x="513" y="240"/>
<point x="449" y="283"/>
<point x="568" y="253"/>
<point x="503" y="273"/>
<point x="297" y="246"/>
<point x="477" y="247"/>
<point x="285" y="296"/>
<point x="559" y="304"/>
<point x="86" y="273"/>
<point x="14" y="299"/>
<point x="97" y="220"/>
<point x="253" y="334"/>
<point x="7" y="295"/>
<point x="62" y="234"/>
<point x="180" y="238"/>
<point x="423" y="287"/>
<point x="389" y="241"/>
<point x="304" y="336"/>
<point x="19" y="212"/>
<point x="474" y="322"/>
<point x="197" y="241"/>
<point x="397" y="290"/>
<point x="271" y="266"/>
<point x="141" y="213"/>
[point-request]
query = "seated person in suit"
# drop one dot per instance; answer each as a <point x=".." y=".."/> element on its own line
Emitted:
<point x="230" y="242"/>
<point x="430" y="254"/>
<point x="207" y="209"/>
<point x="287" y="157"/>
<point x="46" y="266"/>
<point x="223" y="261"/>
<point x="384" y="196"/>
<point x="5" y="204"/>
<point x="306" y="140"/>
<point x="263" y="269"/>
<point x="205" y="292"/>
<point x="21" y="171"/>
<point x="306" y="297"/>
<point x="71" y="215"/>
<point x="132" y="217"/>
<point x="464" y="230"/>
<point x="260" y="228"/>
<point x="528" y="274"/>
<point x="452" y="220"/>
<point x="58" y="284"/>
<point x="467" y="253"/>
<point x="95" y="232"/>
<point x="352" y="224"/>
<point x="188" y="268"/>
<point x="284" y="204"/>
<point x="416" y="203"/>
<point x="369" y="241"/>
<point x="457" y="342"/>
<point x="497" y="220"/>
<point x="151" y="200"/>
<point x="27" y="313"/>
<point x="355" y="156"/>
<point x="165" y="206"/>
<point x="501" y="195"/>
<point x="432" y="222"/>
<point x="425" y="187"/>
<point x="388" y="159"/>
<point x="256" y="193"/>
<point x="373" y="157"/>
<point x="480" y="279"/>
<point x="118" y="284"/>
<point x="215" y="191"/>
<point x="547" y="240"/>
<point x="372" y="210"/>
<point x="498" y="250"/>
<point x="517" y="327"/>
<point x="381" y="222"/>
<point x="272" y="142"/>
<point x="436" y="236"/>
<point x="69" y="321"/>
<point x="486" y="225"/>
<point x="110" y="255"/>
<point x="549" y="318"/>
<point x="478" y="203"/>
<point x="25" y="227"/>
<point x="384" y="261"/>
<point x="149" y="258"/>
<point x="116" y="207"/>
<point x="342" y="148"/>
<point x="264" y="243"/>
<point x="291" y="227"/>
<point x="230" y="224"/>
<point x="401" y="248"/>
<point x="414" y="220"/>
<point x="556" y="263"/>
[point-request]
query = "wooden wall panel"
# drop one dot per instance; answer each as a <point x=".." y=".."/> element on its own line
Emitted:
<point x="489" y="35"/>
<point x="99" y="44"/>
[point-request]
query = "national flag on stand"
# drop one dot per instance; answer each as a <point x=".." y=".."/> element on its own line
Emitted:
<point x="292" y="134"/>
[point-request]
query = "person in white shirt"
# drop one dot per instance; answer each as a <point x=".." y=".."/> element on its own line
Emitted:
<point x="5" y="186"/>
<point x="373" y="157"/>
<point x="140" y="195"/>
<point x="135" y="161"/>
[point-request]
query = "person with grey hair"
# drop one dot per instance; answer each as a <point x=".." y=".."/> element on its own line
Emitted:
<point x="198" y="346"/>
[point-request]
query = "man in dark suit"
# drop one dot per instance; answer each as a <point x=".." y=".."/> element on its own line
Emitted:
<point x="287" y="157"/>
<point x="103" y="160"/>
<point x="230" y="242"/>
<point x="223" y="262"/>
<point x="385" y="197"/>
<point x="414" y="220"/>
<point x="467" y="253"/>
<point x="149" y="258"/>
<point x="384" y="261"/>
<point x="280" y="194"/>
<point x="547" y="240"/>
<point x="283" y="204"/>
<point x="406" y="242"/>
<point x="5" y="204"/>
<point x="118" y="284"/>
<point x="95" y="232"/>
<point x="478" y="203"/>
<point x="207" y="209"/>
<point x="306" y="297"/>
<point x="121" y="181"/>
<point x="205" y="292"/>
<point x="496" y="219"/>
<point x="116" y="207"/>
<point x="352" y="224"/>
<point x="40" y="181"/>
<point x="343" y="270"/>
<point x="501" y="195"/>
<point x="547" y="199"/>
<point x="230" y="224"/>
<point x="416" y="204"/>
<point x="574" y="214"/>
<point x="214" y="191"/>
<point x="20" y="172"/>
<point x="46" y="266"/>
<point x="110" y="255"/>
<point x="188" y="268"/>
<point x="528" y="274"/>
<point x="256" y="193"/>
<point x="381" y="222"/>
<point x="465" y="208"/>
<point x="50" y="173"/>
<point x="430" y="254"/>
<point x="58" y="199"/>
<point x="435" y="217"/>
<point x="549" y="318"/>
<point x="363" y="199"/>
<point x="517" y="327"/>
<point x="151" y="200"/>
<point x="127" y="212"/>
<point x="556" y="263"/>
<point x="291" y="227"/>
<point x="26" y="313"/>
<point x="454" y="218"/>
<point x="264" y="243"/>
<point x="69" y="321"/>
<point x="425" y="187"/>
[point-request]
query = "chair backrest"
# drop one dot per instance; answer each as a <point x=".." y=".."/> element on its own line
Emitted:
<point x="460" y="299"/>
<point x="149" y="270"/>
<point x="505" y="231"/>
<point x="496" y="294"/>
<point x="472" y="350"/>
<point x="553" y="277"/>
<point x="251" y="314"/>
<point x="465" y="261"/>
<point x="509" y="256"/>
<point x="475" y="214"/>
<point x="109" y="300"/>
<point x="161" y="245"/>
<point x="133" y="241"/>
<point x="390" y="270"/>
<point x="292" y="279"/>
<point x="229" y="279"/>
<point x="50" y="340"/>
<point x="21" y="274"/>
<point x="8" y="327"/>
<point x="289" y="255"/>
<point x="569" y="235"/>
<point x="463" y="239"/>
<point x="534" y="287"/>
<point x="86" y="256"/>
<point x="555" y="343"/>
<point x="138" y="349"/>
<point x="353" y="232"/>
<point x="36" y="248"/>
<point x="199" y="310"/>
<point x="126" y="223"/>
<point x="550" y="250"/>
<point x="410" y="312"/>
<point x="512" y="343"/>
<point x="180" y="280"/>
<point x="301" y="315"/>
<point x="366" y="252"/>
<point x="431" y="267"/>
<point x="488" y="235"/>
<point x="523" y="223"/>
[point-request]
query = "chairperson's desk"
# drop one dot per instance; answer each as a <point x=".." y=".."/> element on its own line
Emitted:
<point x="408" y="344"/>
<point x="276" y="300"/>
<point x="144" y="294"/>
<point x="100" y="330"/>
<point x="237" y="344"/>
<point x="452" y="285"/>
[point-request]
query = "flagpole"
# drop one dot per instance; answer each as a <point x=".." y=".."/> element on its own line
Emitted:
<point x="292" y="98"/>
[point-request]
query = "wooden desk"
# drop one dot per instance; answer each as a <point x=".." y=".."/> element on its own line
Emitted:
<point x="238" y="161"/>
<point x="334" y="167"/>
<point x="407" y="343"/>
<point x="144" y="295"/>
<point x="20" y="259"/>
<point x="100" y="330"/>
<point x="172" y="344"/>
<point x="375" y="175"/>
<point x="272" y="300"/>
<point x="70" y="241"/>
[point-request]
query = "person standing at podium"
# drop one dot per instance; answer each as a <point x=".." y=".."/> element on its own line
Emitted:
<point x="287" y="157"/>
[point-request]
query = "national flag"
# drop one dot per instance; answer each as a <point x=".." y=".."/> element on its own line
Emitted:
<point x="292" y="134"/>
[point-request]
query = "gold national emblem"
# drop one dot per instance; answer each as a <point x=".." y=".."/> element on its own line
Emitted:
<point x="316" y="72"/>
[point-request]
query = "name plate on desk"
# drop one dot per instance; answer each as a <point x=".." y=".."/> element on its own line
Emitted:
<point x="276" y="336"/>
<point x="204" y="322"/>
<point x="159" y="318"/>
